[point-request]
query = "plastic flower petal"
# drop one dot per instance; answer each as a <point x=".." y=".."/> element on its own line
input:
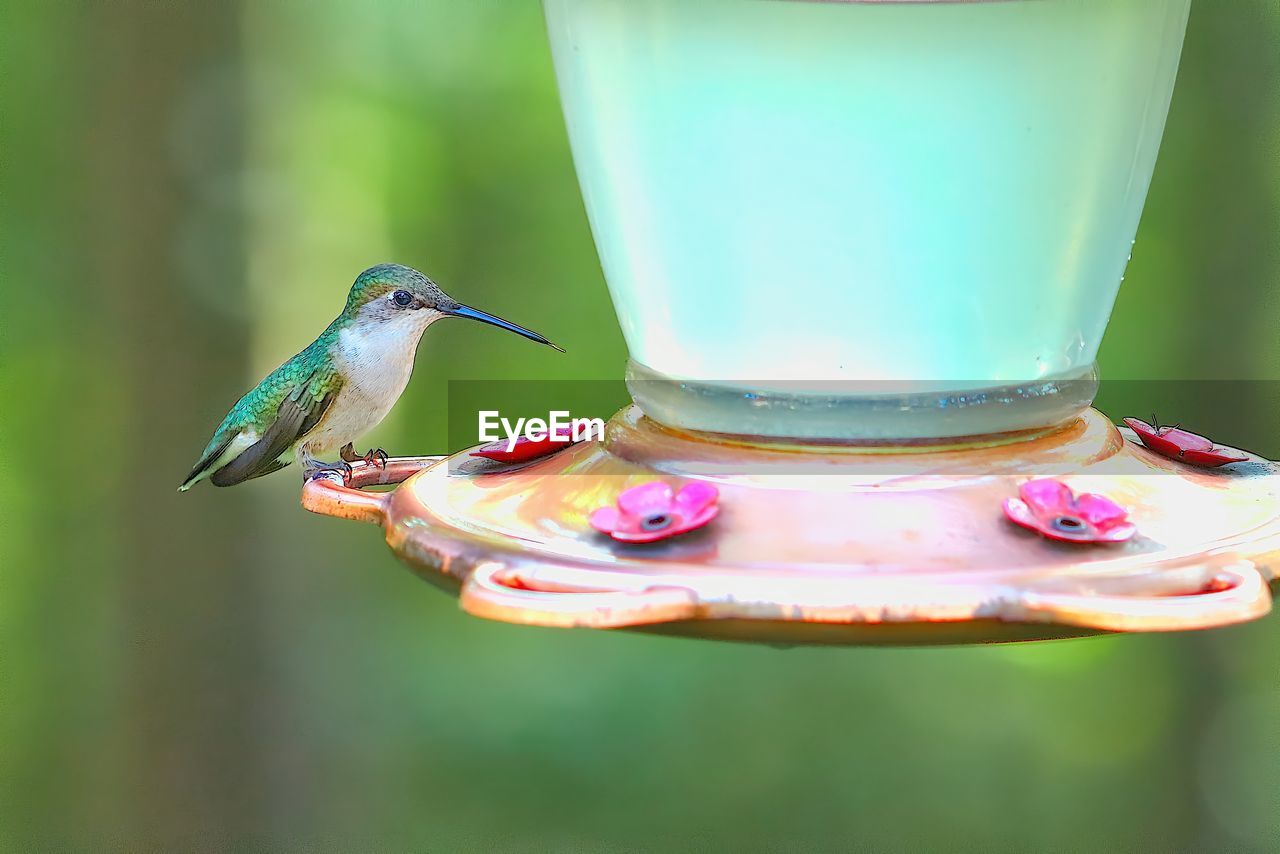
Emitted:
<point x="654" y="511"/>
<point x="1051" y="509"/>
<point x="1183" y="445"/>
<point x="1045" y="496"/>
<point x="1098" y="510"/>
<point x="525" y="449"/>
<point x="694" y="498"/>
<point x="646" y="499"/>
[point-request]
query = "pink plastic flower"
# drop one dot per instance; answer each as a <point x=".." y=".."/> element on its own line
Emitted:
<point x="653" y="511"/>
<point x="1051" y="509"/>
<point x="1183" y="445"/>
<point x="525" y="449"/>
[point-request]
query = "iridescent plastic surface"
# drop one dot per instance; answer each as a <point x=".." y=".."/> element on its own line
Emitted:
<point x="833" y="547"/>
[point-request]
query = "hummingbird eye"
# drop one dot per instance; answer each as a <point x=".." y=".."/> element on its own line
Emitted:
<point x="402" y="298"/>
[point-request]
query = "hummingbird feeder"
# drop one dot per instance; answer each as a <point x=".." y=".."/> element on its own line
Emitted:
<point x="863" y="254"/>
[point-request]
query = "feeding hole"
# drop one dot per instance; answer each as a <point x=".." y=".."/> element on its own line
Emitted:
<point x="1069" y="524"/>
<point x="656" y="522"/>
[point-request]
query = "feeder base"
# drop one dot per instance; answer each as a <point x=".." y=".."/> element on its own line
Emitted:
<point x="833" y="544"/>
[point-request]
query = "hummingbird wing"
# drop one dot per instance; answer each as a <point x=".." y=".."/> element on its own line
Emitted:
<point x="282" y="409"/>
<point x="298" y="413"/>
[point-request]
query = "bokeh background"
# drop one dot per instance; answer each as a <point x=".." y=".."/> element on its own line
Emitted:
<point x="188" y="190"/>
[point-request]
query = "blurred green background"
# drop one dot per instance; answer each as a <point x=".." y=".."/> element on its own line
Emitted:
<point x="188" y="191"/>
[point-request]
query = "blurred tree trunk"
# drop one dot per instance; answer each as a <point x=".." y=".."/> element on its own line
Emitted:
<point x="164" y="115"/>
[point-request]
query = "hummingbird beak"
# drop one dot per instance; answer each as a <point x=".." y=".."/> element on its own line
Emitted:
<point x="459" y="310"/>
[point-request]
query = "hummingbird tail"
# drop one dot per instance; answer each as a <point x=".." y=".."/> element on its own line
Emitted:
<point x="211" y="456"/>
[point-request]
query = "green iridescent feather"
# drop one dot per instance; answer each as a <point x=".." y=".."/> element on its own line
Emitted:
<point x="307" y="380"/>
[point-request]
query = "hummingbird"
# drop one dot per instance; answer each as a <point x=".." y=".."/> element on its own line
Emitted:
<point x="342" y="385"/>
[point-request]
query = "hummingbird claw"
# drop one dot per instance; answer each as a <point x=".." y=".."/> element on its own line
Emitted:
<point x="375" y="456"/>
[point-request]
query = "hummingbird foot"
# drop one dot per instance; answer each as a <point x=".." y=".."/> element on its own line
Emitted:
<point x="374" y="456"/>
<point x="314" y="468"/>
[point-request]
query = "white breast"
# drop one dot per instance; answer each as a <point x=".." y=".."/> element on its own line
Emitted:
<point x="376" y="363"/>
